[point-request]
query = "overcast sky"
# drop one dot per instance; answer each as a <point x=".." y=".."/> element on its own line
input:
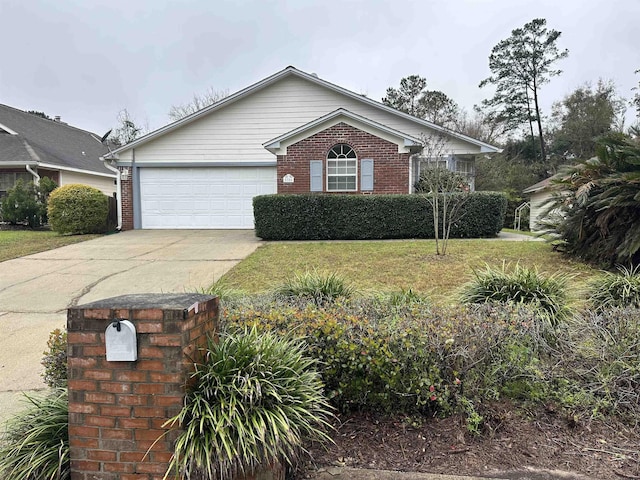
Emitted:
<point x="87" y="59"/>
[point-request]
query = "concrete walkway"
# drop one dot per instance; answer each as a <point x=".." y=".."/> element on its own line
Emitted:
<point x="36" y="290"/>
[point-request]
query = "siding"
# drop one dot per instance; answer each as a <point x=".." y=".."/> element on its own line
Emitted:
<point x="536" y="203"/>
<point x="237" y="131"/>
<point x="105" y="184"/>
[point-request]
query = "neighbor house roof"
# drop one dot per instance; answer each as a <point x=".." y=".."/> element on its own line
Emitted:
<point x="292" y="71"/>
<point x="536" y="187"/>
<point x="27" y="139"/>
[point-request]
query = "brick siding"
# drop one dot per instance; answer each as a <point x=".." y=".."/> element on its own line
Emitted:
<point x="390" y="168"/>
<point x="127" y="200"/>
<point x="117" y="409"/>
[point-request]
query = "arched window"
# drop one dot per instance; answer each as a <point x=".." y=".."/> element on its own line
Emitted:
<point x="342" y="169"/>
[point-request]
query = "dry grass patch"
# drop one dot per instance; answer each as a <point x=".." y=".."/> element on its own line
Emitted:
<point x="391" y="265"/>
<point x="18" y="243"/>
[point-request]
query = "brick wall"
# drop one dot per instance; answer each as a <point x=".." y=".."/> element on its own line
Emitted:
<point x="127" y="200"/>
<point x="390" y="168"/>
<point x="117" y="409"/>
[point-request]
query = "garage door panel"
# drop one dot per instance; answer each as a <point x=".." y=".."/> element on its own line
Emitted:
<point x="202" y="197"/>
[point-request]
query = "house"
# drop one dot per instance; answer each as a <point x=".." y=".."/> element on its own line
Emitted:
<point x="539" y="194"/>
<point x="291" y="132"/>
<point x="32" y="147"/>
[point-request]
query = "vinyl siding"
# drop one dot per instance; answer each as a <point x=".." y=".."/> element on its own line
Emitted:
<point x="105" y="184"/>
<point x="536" y="204"/>
<point x="237" y="131"/>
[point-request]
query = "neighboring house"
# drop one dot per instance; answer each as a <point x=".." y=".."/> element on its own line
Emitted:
<point x="32" y="147"/>
<point x="539" y="194"/>
<point x="289" y="133"/>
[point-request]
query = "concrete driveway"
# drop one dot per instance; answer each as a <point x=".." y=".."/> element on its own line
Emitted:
<point x="36" y="290"/>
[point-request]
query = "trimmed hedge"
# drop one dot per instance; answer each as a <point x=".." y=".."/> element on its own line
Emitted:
<point x="363" y="217"/>
<point x="78" y="209"/>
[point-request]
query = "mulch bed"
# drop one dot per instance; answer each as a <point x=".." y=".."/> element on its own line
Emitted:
<point x="511" y="440"/>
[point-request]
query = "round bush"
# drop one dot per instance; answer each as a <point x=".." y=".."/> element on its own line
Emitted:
<point x="78" y="209"/>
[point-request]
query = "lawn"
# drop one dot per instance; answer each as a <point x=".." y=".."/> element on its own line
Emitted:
<point x="18" y="243"/>
<point x="391" y="265"/>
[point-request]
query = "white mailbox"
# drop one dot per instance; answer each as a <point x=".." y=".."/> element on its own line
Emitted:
<point x="121" y="343"/>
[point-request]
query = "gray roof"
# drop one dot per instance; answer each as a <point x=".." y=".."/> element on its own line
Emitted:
<point x="39" y="141"/>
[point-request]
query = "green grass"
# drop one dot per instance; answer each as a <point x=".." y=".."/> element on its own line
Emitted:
<point x="394" y="265"/>
<point x="18" y="243"/>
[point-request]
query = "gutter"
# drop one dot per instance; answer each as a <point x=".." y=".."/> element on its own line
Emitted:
<point x="118" y="190"/>
<point x="36" y="177"/>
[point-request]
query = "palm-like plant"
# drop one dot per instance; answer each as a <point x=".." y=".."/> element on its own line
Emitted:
<point x="36" y="443"/>
<point x="252" y="403"/>
<point x="599" y="200"/>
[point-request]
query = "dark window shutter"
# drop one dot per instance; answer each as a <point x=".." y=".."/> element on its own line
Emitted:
<point x="366" y="174"/>
<point x="315" y="168"/>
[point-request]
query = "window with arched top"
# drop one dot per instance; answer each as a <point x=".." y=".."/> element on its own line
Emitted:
<point x="342" y="169"/>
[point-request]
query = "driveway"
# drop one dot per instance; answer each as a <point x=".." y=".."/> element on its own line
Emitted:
<point x="36" y="290"/>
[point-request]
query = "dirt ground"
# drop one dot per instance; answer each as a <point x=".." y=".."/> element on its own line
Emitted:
<point x="511" y="441"/>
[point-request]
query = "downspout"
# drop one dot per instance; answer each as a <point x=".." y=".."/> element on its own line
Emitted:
<point x="36" y="177"/>
<point x="118" y="190"/>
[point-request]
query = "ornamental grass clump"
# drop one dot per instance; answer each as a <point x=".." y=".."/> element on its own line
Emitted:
<point x="321" y="288"/>
<point x="520" y="285"/>
<point x="616" y="290"/>
<point x="252" y="402"/>
<point x="35" y="445"/>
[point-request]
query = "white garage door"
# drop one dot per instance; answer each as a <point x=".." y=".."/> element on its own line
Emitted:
<point x="218" y="197"/>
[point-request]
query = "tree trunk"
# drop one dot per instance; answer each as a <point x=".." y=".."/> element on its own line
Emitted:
<point x="543" y="152"/>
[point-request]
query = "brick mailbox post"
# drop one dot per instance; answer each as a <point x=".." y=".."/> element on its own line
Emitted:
<point x="117" y="408"/>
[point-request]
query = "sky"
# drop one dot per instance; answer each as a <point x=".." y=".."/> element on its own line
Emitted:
<point x="86" y="60"/>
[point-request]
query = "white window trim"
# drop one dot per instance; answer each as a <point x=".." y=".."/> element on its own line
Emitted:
<point x="355" y="175"/>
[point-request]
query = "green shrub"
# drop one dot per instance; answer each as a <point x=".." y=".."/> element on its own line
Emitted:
<point x="55" y="359"/>
<point x="520" y="285"/>
<point x="36" y="443"/>
<point x="325" y="217"/>
<point x="319" y="287"/>
<point x="26" y="203"/>
<point x="221" y="289"/>
<point x="251" y="403"/>
<point x="78" y="209"/>
<point x="21" y="205"/>
<point x="601" y="371"/>
<point x="410" y="358"/>
<point x="616" y="290"/>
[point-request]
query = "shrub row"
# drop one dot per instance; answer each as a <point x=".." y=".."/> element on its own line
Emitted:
<point x="409" y="358"/>
<point x="414" y="358"/>
<point x="361" y="217"/>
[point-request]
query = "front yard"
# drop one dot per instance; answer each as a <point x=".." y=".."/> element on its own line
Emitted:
<point x="18" y="243"/>
<point x="392" y="265"/>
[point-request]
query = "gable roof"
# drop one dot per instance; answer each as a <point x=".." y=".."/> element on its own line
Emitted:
<point x="341" y="113"/>
<point x="27" y="139"/>
<point x="292" y="71"/>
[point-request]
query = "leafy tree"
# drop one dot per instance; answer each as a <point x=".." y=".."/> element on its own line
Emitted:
<point x="26" y="203"/>
<point x="583" y="115"/>
<point x="127" y="130"/>
<point x="599" y="204"/>
<point x="198" y="102"/>
<point x="446" y="191"/>
<point x="519" y="66"/>
<point x="413" y="98"/>
<point x="635" y="101"/>
<point x="39" y="114"/>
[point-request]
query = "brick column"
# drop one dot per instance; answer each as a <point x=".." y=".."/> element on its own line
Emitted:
<point x="117" y="409"/>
